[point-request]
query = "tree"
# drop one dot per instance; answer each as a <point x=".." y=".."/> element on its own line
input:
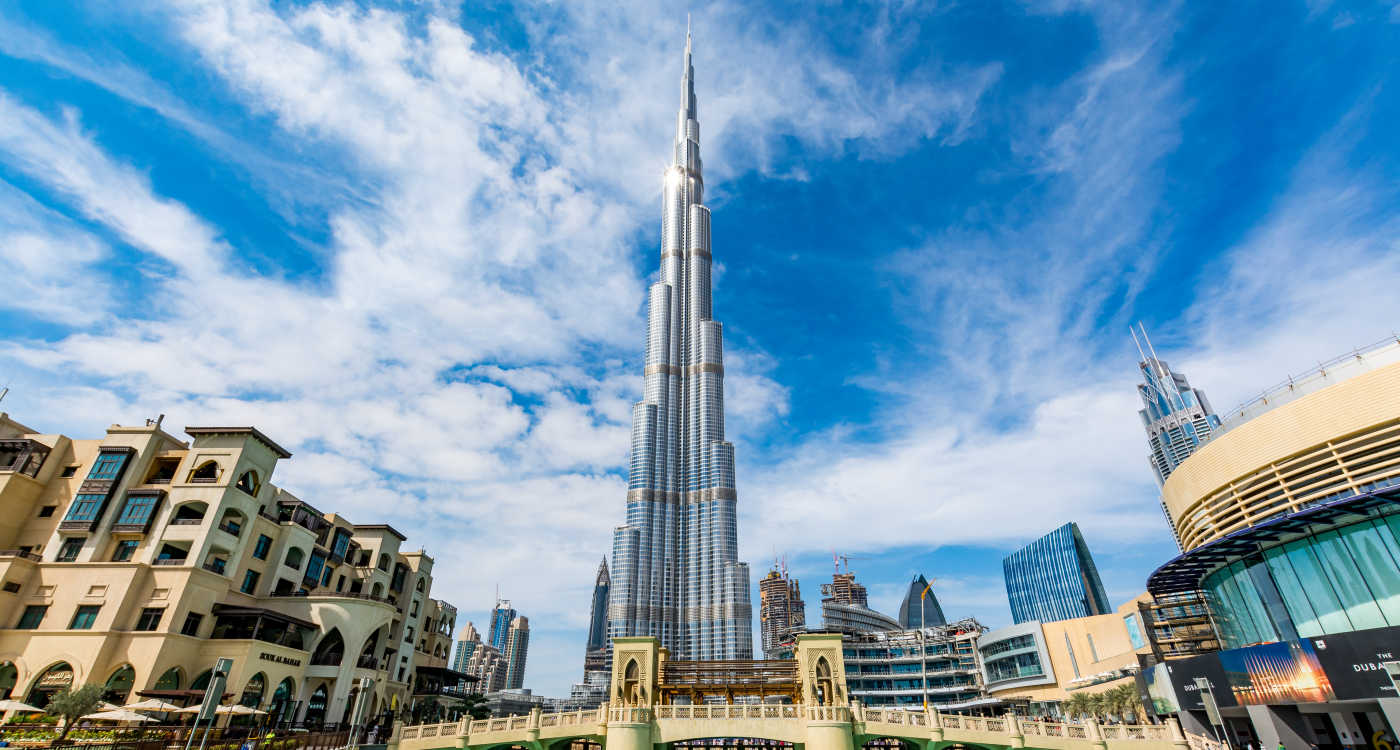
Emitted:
<point x="72" y="704"/>
<point x="1077" y="705"/>
<point x="1125" y="701"/>
<point x="474" y="704"/>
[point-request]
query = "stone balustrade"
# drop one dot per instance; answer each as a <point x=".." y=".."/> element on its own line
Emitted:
<point x="666" y="723"/>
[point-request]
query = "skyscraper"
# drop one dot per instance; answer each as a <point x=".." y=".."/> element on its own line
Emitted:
<point x="1177" y="417"/>
<point x="517" y="647"/>
<point x="917" y="613"/>
<point x="781" y="612"/>
<point x="502" y="615"/>
<point x="1054" y="578"/>
<point x="595" y="655"/>
<point x="598" y="614"/>
<point x="676" y="569"/>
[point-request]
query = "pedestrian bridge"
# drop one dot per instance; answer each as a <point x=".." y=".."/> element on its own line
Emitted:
<point x="810" y="727"/>
<point x="658" y="704"/>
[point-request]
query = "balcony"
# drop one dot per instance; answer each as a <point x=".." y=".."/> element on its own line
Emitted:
<point x="230" y="528"/>
<point x="215" y="566"/>
<point x="170" y="561"/>
<point x="186" y="521"/>
<point x="20" y="554"/>
<point x="367" y="661"/>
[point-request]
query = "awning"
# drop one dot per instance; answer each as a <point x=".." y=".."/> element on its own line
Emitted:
<point x="446" y="674"/>
<point x="1184" y="573"/>
<point x="240" y="609"/>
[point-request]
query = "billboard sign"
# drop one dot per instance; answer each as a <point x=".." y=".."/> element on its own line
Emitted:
<point x="1355" y="662"/>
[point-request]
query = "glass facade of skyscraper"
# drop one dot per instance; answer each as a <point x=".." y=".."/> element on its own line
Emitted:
<point x="1054" y="578"/>
<point x="676" y="569"/>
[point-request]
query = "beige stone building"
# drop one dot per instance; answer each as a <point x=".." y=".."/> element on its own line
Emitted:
<point x="1036" y="666"/>
<point x="137" y="559"/>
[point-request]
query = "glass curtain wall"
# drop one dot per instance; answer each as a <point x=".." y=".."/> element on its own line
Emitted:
<point x="1333" y="581"/>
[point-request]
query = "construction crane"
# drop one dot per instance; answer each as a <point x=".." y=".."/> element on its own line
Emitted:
<point x="838" y="560"/>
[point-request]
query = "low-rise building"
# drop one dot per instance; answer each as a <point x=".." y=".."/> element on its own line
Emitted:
<point x="137" y="559"/>
<point x="1035" y="666"/>
<point x="936" y="666"/>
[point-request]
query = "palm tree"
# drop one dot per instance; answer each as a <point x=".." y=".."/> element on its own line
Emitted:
<point x="1126" y="698"/>
<point x="1076" y="706"/>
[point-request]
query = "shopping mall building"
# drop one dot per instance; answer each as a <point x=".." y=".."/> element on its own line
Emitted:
<point x="136" y="560"/>
<point x="1290" y="521"/>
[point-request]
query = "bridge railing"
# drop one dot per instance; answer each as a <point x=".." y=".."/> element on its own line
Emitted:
<point x="1090" y="731"/>
<point x="725" y="711"/>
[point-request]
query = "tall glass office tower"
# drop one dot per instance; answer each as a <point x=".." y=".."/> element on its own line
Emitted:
<point x="1177" y="417"/>
<point x="502" y="615"/>
<point x="1054" y="578"/>
<point x="676" y="572"/>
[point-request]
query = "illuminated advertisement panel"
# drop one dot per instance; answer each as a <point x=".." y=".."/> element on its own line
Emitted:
<point x="1353" y="661"/>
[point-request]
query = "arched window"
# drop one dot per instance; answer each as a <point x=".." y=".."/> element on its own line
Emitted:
<point x="281" y="701"/>
<point x="632" y="683"/>
<point x="189" y="513"/>
<point x="119" y="684"/>
<point x="249" y="483"/>
<point x="294" y="558"/>
<point x="55" y="678"/>
<point x="253" y="691"/>
<point x="9" y="675"/>
<point x="826" y="694"/>
<point x="383" y="561"/>
<point x="316" y="706"/>
<point x="331" y="649"/>
<point x="170" y="680"/>
<point x="202" y="681"/>
<point x="232" y="522"/>
<point x="377" y="591"/>
<point x="205" y="473"/>
<point x="420" y="585"/>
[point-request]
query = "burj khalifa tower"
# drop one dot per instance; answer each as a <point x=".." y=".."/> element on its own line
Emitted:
<point x="676" y="569"/>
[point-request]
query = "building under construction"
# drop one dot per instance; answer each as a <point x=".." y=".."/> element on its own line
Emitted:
<point x="781" y="611"/>
<point x="845" y="608"/>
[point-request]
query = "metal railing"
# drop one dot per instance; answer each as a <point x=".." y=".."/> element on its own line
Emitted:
<point x="20" y="554"/>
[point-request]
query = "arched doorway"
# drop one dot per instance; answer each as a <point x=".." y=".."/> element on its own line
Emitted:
<point x="251" y="697"/>
<point x="316" y="706"/>
<point x="253" y="691"/>
<point x="279" y="708"/>
<point x="118" y="687"/>
<point x="55" y="678"/>
<point x="350" y="700"/>
<point x="9" y="675"/>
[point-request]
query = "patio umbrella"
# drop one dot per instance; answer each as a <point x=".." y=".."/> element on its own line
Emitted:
<point x="119" y="714"/>
<point x="238" y="709"/>
<point x="9" y="705"/>
<point x="234" y="710"/>
<point x="152" y="704"/>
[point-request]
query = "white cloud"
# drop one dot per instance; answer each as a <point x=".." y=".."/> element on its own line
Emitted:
<point x="459" y="366"/>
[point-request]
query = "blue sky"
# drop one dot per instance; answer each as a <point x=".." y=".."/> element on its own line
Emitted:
<point x="411" y="241"/>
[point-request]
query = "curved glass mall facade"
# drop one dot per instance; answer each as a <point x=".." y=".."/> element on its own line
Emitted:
<point x="1323" y="582"/>
<point x="1291" y="517"/>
